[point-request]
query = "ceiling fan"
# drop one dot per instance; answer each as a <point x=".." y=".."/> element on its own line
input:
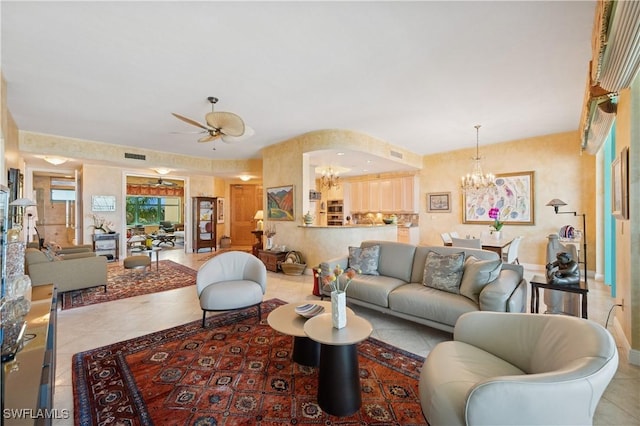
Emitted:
<point x="224" y="125"/>
<point x="161" y="182"/>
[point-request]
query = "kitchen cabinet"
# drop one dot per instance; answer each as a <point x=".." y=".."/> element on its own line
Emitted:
<point x="410" y="235"/>
<point x="390" y="195"/>
<point x="204" y="223"/>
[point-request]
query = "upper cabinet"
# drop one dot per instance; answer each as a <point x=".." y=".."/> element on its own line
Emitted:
<point x="386" y="195"/>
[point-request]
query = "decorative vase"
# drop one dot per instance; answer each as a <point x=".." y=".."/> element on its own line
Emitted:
<point x="497" y="234"/>
<point x="339" y="309"/>
<point x="308" y="219"/>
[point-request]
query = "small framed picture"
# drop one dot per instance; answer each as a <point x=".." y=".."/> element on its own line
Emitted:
<point x="103" y="203"/>
<point x="439" y="202"/>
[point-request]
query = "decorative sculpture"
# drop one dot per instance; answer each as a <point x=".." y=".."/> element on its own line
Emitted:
<point x="563" y="271"/>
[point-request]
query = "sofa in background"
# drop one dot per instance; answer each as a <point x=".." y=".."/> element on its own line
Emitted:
<point x="66" y="274"/>
<point x="518" y="369"/>
<point x="396" y="286"/>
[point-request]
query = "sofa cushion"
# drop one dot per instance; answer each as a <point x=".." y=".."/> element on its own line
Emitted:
<point x="425" y="302"/>
<point x="422" y="251"/>
<point x="396" y="259"/>
<point x="365" y="260"/>
<point x="373" y="289"/>
<point x="478" y="273"/>
<point x="444" y="271"/>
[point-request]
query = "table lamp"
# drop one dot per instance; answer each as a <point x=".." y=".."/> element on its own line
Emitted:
<point x="259" y="216"/>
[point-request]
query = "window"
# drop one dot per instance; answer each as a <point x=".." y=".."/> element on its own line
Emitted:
<point x="152" y="210"/>
<point x="62" y="189"/>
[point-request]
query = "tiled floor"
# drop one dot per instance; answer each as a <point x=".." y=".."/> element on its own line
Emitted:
<point x="86" y="328"/>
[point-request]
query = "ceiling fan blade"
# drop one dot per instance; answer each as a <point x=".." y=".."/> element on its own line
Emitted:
<point x="209" y="138"/>
<point x="227" y="123"/>
<point x="248" y="132"/>
<point x="190" y="121"/>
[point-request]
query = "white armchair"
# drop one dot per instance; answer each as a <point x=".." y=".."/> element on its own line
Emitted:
<point x="517" y="368"/>
<point x="231" y="280"/>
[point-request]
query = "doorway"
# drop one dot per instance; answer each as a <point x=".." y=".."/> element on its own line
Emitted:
<point x="246" y="200"/>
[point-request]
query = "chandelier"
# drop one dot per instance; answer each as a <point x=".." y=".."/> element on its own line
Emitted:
<point x="477" y="181"/>
<point x="330" y="178"/>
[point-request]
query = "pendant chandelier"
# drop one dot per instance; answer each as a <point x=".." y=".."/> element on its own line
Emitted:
<point x="330" y="178"/>
<point x="477" y="181"/>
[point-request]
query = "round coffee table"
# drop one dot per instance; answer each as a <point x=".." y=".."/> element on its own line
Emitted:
<point x="339" y="373"/>
<point x="285" y="320"/>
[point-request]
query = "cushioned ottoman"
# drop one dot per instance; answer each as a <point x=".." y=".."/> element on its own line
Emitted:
<point x="137" y="262"/>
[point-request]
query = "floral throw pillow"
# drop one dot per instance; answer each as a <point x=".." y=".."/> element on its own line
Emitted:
<point x="444" y="271"/>
<point x="365" y="260"/>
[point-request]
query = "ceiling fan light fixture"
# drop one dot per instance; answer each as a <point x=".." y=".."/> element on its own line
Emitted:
<point x="162" y="170"/>
<point x="56" y="161"/>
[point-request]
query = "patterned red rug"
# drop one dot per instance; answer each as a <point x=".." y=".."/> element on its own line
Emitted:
<point x="123" y="283"/>
<point x="235" y="372"/>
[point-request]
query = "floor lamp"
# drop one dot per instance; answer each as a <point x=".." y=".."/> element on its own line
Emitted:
<point x="556" y="203"/>
<point x="23" y="203"/>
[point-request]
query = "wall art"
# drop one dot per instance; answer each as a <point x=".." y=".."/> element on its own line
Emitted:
<point x="280" y="202"/>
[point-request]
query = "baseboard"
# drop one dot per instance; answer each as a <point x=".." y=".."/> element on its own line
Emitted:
<point x="623" y="343"/>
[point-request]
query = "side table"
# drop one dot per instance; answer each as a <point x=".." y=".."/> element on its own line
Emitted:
<point x="538" y="282"/>
<point x="339" y="391"/>
<point x="285" y="320"/>
<point x="258" y="245"/>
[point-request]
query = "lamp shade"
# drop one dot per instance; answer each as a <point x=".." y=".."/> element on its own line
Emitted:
<point x="556" y="202"/>
<point x="23" y="202"/>
<point x="259" y="215"/>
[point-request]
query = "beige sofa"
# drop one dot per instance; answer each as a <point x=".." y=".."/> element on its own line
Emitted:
<point x="398" y="289"/>
<point x="68" y="274"/>
<point x="518" y="369"/>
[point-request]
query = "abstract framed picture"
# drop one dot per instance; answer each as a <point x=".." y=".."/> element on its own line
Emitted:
<point x="438" y="202"/>
<point x="620" y="185"/>
<point x="513" y="195"/>
<point x="280" y="202"/>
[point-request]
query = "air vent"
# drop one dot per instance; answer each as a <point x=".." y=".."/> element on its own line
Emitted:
<point x="396" y="154"/>
<point x="135" y="156"/>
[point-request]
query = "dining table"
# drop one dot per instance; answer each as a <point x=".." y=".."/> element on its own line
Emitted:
<point x="491" y="243"/>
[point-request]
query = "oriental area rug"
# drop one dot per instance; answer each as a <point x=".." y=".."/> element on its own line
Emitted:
<point x="235" y="372"/>
<point x="123" y="283"/>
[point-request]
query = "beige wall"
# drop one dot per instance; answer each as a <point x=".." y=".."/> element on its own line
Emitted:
<point x="559" y="172"/>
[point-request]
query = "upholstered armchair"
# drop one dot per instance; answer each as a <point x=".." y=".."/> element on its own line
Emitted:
<point x="167" y="227"/>
<point x="517" y="368"/>
<point x="67" y="274"/>
<point x="229" y="281"/>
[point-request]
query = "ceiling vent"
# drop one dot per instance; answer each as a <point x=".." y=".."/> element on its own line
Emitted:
<point x="135" y="156"/>
<point x="396" y="154"/>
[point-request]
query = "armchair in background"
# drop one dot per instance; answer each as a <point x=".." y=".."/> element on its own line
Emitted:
<point x="167" y="227"/>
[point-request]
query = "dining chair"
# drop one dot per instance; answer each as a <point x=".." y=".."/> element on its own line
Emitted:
<point x="466" y="243"/>
<point x="446" y="238"/>
<point x="511" y="256"/>
<point x="454" y="234"/>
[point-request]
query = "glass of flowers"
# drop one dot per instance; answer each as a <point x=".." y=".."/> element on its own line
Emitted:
<point x="100" y="223"/>
<point x="339" y="281"/>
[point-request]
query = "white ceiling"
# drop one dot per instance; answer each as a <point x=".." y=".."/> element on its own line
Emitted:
<point x="418" y="75"/>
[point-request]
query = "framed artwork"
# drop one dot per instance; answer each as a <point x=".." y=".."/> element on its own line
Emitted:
<point x="513" y="195"/>
<point x="103" y="203"/>
<point x="439" y="202"/>
<point x="220" y="210"/>
<point x="620" y="185"/>
<point x="280" y="202"/>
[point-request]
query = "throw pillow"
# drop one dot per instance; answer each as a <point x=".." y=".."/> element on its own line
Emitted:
<point x="477" y="274"/>
<point x="365" y="259"/>
<point x="444" y="271"/>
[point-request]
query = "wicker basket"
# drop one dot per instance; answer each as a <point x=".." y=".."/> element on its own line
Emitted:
<point x="293" y="268"/>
